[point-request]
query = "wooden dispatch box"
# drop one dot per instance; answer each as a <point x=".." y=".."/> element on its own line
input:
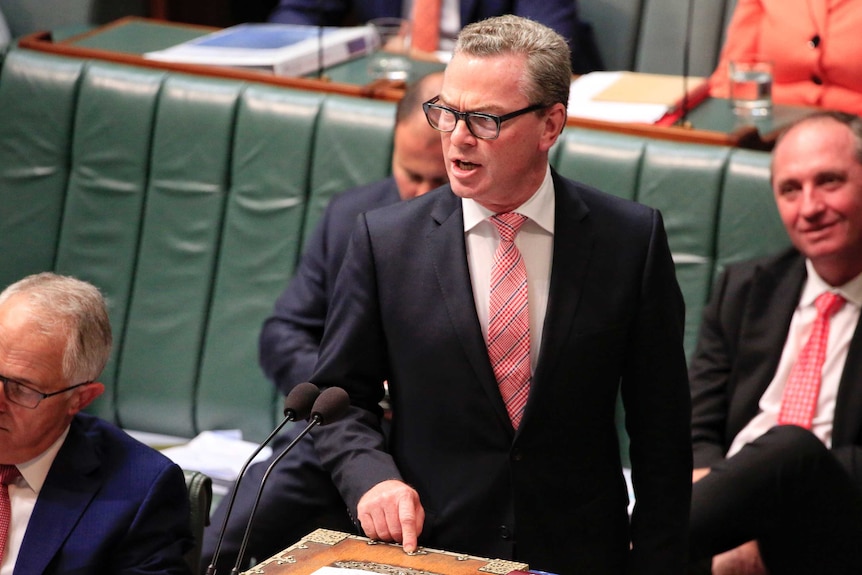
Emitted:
<point x="326" y="548"/>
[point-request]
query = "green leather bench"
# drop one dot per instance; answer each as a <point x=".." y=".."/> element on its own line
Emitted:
<point x="187" y="199"/>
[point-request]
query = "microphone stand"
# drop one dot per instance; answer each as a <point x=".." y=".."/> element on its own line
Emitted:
<point x="330" y="406"/>
<point x="297" y="405"/>
<point x="683" y="118"/>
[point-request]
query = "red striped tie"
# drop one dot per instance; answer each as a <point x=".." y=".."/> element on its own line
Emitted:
<point x="8" y="474"/>
<point x="509" y="318"/>
<point x="426" y="25"/>
<point x="799" y="401"/>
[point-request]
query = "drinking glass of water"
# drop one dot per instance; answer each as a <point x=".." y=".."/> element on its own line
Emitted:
<point x="392" y="61"/>
<point x="751" y="87"/>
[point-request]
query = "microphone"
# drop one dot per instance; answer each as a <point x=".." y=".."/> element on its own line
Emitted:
<point x="686" y="53"/>
<point x="332" y="405"/>
<point x="297" y="405"/>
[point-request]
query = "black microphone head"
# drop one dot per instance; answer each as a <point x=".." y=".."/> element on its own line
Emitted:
<point x="332" y="405"/>
<point x="300" y="399"/>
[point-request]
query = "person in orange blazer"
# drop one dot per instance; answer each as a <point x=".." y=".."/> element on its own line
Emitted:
<point x="815" y="46"/>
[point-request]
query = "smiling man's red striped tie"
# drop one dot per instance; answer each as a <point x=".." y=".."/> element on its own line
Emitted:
<point x="799" y="401"/>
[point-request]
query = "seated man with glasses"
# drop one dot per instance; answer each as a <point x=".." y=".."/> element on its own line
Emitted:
<point x="77" y="495"/>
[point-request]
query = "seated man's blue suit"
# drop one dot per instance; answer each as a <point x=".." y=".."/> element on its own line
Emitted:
<point x="109" y="505"/>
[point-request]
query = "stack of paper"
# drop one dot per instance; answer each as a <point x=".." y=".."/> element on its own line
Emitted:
<point x="631" y="96"/>
<point x="284" y="49"/>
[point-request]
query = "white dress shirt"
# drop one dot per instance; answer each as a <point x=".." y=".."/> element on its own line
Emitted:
<point x="841" y="328"/>
<point x="22" y="495"/>
<point x="535" y="241"/>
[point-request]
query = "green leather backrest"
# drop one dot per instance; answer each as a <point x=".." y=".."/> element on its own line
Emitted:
<point x="180" y="239"/>
<point x="38" y="111"/>
<point x="353" y="146"/>
<point x="607" y="161"/>
<point x="650" y="35"/>
<point x="684" y="182"/>
<point x="748" y="223"/>
<point x="662" y="36"/>
<point x="260" y="241"/>
<point x="106" y="193"/>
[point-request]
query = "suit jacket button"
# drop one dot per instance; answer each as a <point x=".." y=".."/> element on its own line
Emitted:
<point x="517" y="455"/>
<point x="504" y="532"/>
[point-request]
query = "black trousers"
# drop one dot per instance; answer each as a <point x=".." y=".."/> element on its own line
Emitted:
<point x="298" y="498"/>
<point x="787" y="491"/>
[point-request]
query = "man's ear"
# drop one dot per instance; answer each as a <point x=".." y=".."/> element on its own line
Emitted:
<point x="555" y="121"/>
<point x="85" y="395"/>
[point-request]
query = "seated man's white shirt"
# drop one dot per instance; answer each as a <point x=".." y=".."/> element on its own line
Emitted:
<point x="22" y="496"/>
<point x="841" y="328"/>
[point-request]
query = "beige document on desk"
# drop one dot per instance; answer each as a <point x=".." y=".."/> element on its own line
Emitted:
<point x="630" y="96"/>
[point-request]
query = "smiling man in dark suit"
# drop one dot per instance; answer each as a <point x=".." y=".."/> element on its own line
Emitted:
<point x="534" y="477"/>
<point x="779" y="480"/>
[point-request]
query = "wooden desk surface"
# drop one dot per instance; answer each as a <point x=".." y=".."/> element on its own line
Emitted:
<point x="325" y="548"/>
<point x="126" y="40"/>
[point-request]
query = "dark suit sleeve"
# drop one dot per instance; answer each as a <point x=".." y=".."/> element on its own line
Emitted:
<point x="310" y="12"/>
<point x="657" y="404"/>
<point x="353" y="356"/>
<point x="290" y="337"/>
<point x="159" y="535"/>
<point x="709" y="372"/>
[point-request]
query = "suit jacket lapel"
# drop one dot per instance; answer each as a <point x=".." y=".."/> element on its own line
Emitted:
<point x="848" y="404"/>
<point x="71" y="484"/>
<point x="775" y="293"/>
<point x="573" y="247"/>
<point x="448" y="252"/>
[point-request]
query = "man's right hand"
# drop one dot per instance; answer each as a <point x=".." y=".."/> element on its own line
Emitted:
<point x="391" y="511"/>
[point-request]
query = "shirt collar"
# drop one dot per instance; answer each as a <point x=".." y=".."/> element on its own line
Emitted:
<point x="36" y="470"/>
<point x="539" y="208"/>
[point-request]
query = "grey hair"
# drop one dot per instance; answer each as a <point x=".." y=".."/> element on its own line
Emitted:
<point x="549" y="67"/>
<point x="74" y="308"/>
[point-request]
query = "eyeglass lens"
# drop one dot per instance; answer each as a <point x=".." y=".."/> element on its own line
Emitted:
<point x="480" y="125"/>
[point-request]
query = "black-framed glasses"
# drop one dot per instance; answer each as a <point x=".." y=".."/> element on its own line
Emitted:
<point x="481" y="125"/>
<point x="25" y="396"/>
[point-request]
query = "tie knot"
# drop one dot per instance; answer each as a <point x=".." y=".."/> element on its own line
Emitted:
<point x="508" y="224"/>
<point x="828" y="303"/>
<point x="8" y="474"/>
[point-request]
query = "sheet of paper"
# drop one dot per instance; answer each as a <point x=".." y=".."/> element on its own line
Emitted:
<point x="219" y="454"/>
<point x="583" y="102"/>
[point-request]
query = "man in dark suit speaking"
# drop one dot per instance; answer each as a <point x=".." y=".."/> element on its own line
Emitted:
<point x="777" y="376"/>
<point x="503" y="441"/>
